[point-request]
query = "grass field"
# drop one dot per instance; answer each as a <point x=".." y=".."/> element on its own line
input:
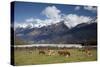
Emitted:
<point x="26" y="57"/>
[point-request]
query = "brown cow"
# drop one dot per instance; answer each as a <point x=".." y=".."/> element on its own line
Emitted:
<point x="64" y="53"/>
<point x="42" y="52"/>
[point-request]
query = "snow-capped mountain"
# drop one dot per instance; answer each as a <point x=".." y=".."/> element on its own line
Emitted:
<point x="58" y="33"/>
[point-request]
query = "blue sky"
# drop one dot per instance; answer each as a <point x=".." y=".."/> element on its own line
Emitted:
<point x="26" y="10"/>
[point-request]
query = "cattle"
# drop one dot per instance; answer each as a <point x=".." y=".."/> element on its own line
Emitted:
<point x="88" y="52"/>
<point x="42" y="52"/>
<point x="64" y="53"/>
<point x="55" y="52"/>
<point x="51" y="52"/>
<point x="47" y="52"/>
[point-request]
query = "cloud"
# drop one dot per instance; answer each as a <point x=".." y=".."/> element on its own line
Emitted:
<point x="29" y="19"/>
<point x="77" y="7"/>
<point x="72" y="20"/>
<point x="51" y="12"/>
<point x="22" y="25"/>
<point x="34" y="22"/>
<point x="54" y="16"/>
<point x="90" y="8"/>
<point x="30" y="23"/>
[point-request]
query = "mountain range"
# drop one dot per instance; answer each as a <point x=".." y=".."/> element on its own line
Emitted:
<point x="59" y="33"/>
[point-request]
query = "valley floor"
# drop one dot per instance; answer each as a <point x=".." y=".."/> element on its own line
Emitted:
<point x="32" y="57"/>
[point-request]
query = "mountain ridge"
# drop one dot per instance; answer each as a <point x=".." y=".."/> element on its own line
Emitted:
<point x="59" y="33"/>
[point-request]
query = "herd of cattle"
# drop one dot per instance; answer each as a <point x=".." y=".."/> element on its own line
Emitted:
<point x="62" y="52"/>
<point x="55" y="52"/>
<point x="51" y="52"/>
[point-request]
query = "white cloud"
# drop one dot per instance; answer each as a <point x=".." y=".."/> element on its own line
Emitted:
<point x="77" y="7"/>
<point x="90" y="8"/>
<point x="29" y="19"/>
<point x="72" y="20"/>
<point x="36" y="23"/>
<point x="33" y="22"/>
<point x="54" y="16"/>
<point x="46" y="22"/>
<point x="22" y="25"/>
<point x="51" y="12"/>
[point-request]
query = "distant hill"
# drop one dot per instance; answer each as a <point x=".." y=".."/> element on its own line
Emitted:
<point x="84" y="33"/>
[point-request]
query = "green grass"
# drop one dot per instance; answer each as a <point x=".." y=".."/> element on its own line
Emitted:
<point x="23" y="57"/>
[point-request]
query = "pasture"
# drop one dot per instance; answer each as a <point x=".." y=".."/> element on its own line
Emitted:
<point x="32" y="56"/>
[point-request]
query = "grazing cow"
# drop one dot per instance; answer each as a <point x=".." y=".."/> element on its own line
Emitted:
<point x="51" y="52"/>
<point x="88" y="52"/>
<point x="64" y="53"/>
<point x="42" y="52"/>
